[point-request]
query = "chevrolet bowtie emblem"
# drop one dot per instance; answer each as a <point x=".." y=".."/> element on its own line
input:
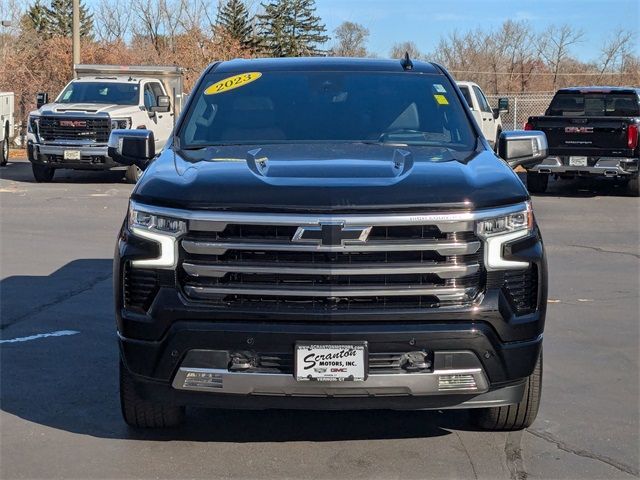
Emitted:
<point x="331" y="234"/>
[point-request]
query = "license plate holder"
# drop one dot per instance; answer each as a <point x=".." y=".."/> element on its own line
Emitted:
<point x="577" y="161"/>
<point x="71" y="155"/>
<point x="331" y="361"/>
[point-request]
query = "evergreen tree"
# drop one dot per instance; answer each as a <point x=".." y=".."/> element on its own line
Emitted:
<point x="290" y="28"/>
<point x="57" y="20"/>
<point x="37" y="17"/>
<point x="233" y="16"/>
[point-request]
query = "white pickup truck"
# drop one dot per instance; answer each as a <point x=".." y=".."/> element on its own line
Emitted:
<point x="488" y="119"/>
<point x="6" y="125"/>
<point x="72" y="132"/>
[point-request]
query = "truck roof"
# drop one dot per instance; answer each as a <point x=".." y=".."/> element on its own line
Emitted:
<point x="320" y="64"/>
<point x="598" y="89"/>
<point x="113" y="79"/>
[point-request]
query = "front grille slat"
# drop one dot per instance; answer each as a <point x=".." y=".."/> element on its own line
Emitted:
<point x="444" y="271"/>
<point x="237" y="261"/>
<point x="442" y="247"/>
<point x="445" y="293"/>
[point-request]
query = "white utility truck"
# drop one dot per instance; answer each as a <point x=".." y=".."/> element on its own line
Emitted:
<point x="72" y="132"/>
<point x="6" y="125"/>
<point x="488" y="119"/>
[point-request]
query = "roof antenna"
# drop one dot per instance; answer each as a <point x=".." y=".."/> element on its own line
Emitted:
<point x="406" y="62"/>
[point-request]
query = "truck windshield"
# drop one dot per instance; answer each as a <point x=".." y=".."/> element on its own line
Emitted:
<point x="101" y="92"/>
<point x="306" y="107"/>
<point x="594" y="105"/>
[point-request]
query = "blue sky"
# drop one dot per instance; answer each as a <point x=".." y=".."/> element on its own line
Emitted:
<point x="425" y="21"/>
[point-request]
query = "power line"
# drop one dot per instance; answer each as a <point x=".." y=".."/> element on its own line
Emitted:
<point x="541" y="73"/>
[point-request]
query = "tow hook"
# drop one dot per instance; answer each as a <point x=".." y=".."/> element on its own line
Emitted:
<point x="415" y="361"/>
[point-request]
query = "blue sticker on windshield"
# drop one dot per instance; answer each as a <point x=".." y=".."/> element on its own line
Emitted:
<point x="439" y="88"/>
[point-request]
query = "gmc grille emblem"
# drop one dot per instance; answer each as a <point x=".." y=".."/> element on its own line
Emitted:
<point x="332" y="234"/>
<point x="578" y="129"/>
<point x="73" y="123"/>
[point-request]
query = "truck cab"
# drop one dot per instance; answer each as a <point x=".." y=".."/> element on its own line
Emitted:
<point x="487" y="118"/>
<point x="72" y="131"/>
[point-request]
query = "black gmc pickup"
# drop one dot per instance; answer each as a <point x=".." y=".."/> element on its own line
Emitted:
<point x="592" y="131"/>
<point x="329" y="234"/>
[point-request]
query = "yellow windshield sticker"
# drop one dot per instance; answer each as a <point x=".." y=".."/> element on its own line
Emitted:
<point x="441" y="99"/>
<point x="230" y="83"/>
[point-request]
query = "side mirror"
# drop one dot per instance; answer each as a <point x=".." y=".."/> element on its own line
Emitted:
<point x="164" y="104"/>
<point x="132" y="147"/>
<point x="520" y="147"/>
<point x="42" y="98"/>
<point x="496" y="113"/>
<point x="503" y="104"/>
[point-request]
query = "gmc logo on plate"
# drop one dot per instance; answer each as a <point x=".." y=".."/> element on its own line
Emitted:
<point x="578" y="129"/>
<point x="73" y="123"/>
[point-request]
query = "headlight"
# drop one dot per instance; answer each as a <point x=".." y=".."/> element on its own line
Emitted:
<point x="157" y="223"/>
<point x="509" y="223"/>
<point x="32" y="124"/>
<point x="499" y="230"/>
<point x="158" y="228"/>
<point x="120" y="123"/>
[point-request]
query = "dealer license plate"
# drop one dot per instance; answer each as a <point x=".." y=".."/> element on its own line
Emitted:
<point x="71" y="155"/>
<point x="577" y="161"/>
<point x="331" y="362"/>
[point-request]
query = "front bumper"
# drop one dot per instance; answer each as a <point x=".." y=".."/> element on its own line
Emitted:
<point x="498" y="368"/>
<point x="603" y="166"/>
<point x="92" y="156"/>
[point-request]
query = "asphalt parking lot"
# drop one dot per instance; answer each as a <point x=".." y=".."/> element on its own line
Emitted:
<point x="60" y="412"/>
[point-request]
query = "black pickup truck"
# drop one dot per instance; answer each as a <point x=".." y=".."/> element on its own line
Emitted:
<point x="591" y="131"/>
<point x="329" y="233"/>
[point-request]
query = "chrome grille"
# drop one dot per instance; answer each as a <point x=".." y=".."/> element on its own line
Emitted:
<point x="240" y="261"/>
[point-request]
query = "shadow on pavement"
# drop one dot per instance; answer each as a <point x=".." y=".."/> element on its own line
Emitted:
<point x="70" y="383"/>
<point x="20" y="171"/>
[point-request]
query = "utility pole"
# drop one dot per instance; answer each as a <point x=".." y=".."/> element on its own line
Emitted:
<point x="76" y="32"/>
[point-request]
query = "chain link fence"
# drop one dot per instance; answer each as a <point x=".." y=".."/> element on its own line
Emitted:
<point x="521" y="107"/>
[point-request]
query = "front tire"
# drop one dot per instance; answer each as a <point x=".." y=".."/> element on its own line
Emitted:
<point x="537" y="182"/>
<point x="518" y="416"/>
<point x="42" y="173"/>
<point x="132" y="174"/>
<point x="633" y="187"/>
<point x="141" y="413"/>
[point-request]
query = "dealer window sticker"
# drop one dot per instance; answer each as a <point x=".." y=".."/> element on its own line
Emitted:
<point x="441" y="99"/>
<point x="231" y="83"/>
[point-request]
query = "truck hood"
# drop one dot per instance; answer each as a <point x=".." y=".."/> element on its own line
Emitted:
<point x="318" y="177"/>
<point x="88" y="108"/>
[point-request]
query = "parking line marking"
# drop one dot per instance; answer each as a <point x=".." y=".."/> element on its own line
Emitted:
<point x="59" y="333"/>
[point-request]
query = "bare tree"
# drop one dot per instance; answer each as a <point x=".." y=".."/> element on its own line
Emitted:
<point x="399" y="49"/>
<point x="615" y="50"/>
<point x="112" y="19"/>
<point x="520" y="54"/>
<point x="351" y="40"/>
<point x="149" y="22"/>
<point x="554" y="44"/>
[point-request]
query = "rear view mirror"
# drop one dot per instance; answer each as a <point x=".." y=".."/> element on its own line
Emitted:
<point x="42" y="98"/>
<point x="164" y="104"/>
<point x="132" y="147"/>
<point x="503" y="105"/>
<point x="520" y="147"/>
